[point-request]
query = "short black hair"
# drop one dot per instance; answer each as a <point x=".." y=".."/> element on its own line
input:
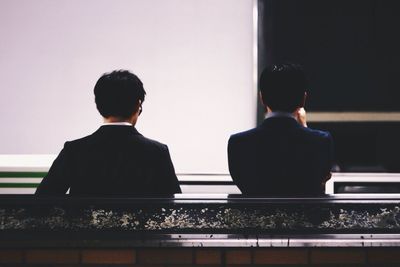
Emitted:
<point x="117" y="93"/>
<point x="283" y="86"/>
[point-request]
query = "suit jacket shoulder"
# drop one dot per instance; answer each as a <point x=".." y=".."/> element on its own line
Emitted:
<point x="152" y="144"/>
<point x="145" y="144"/>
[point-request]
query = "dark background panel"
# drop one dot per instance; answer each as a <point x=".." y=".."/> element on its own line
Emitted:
<point x="364" y="146"/>
<point x="349" y="49"/>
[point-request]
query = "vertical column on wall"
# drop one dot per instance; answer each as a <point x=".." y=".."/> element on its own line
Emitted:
<point x="265" y="43"/>
<point x="256" y="57"/>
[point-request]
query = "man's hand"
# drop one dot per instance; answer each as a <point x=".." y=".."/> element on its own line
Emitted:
<point x="326" y="179"/>
<point x="300" y="115"/>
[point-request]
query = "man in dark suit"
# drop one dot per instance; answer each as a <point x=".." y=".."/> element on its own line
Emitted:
<point x="116" y="160"/>
<point x="281" y="157"/>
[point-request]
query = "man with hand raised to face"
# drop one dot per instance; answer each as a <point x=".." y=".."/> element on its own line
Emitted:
<point x="281" y="157"/>
<point x="116" y="160"/>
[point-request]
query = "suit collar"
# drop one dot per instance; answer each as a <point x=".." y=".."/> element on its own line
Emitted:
<point x="118" y="129"/>
<point x="278" y="120"/>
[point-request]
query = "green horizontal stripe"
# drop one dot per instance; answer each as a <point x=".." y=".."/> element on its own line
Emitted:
<point x="18" y="185"/>
<point x="22" y="174"/>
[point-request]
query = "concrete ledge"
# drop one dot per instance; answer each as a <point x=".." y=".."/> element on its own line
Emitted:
<point x="231" y="222"/>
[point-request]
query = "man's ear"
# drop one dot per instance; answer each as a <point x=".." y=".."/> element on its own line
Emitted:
<point x="262" y="100"/>
<point x="138" y="105"/>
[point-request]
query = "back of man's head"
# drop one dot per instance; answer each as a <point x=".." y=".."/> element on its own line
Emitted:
<point x="118" y="93"/>
<point x="283" y="87"/>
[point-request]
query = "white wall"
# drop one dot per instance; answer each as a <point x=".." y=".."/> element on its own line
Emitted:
<point x="193" y="56"/>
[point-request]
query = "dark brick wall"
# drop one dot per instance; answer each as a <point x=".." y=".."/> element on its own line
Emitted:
<point x="208" y="257"/>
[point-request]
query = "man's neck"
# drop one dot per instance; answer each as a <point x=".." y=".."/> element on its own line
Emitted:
<point x="272" y="114"/>
<point x="279" y="114"/>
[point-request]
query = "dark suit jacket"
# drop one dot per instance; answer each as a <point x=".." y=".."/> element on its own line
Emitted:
<point x="280" y="158"/>
<point x="113" y="161"/>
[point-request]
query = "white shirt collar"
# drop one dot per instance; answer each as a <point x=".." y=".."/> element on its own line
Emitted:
<point x="123" y="123"/>
<point x="279" y="114"/>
